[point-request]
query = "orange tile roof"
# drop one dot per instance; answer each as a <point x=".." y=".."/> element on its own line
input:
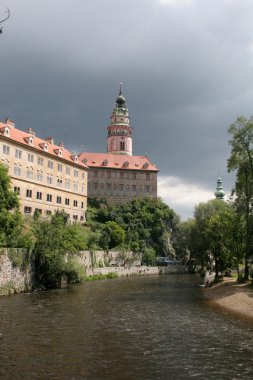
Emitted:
<point x="114" y="161"/>
<point x="22" y="137"/>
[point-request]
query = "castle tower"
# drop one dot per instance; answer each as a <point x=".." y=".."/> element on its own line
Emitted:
<point x="119" y="138"/>
<point x="219" y="193"/>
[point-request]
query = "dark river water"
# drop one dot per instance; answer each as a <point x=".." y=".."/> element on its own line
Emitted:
<point x="156" y="327"/>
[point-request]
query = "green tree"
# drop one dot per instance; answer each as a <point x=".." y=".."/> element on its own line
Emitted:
<point x="11" y="221"/>
<point x="185" y="240"/>
<point x="112" y="235"/>
<point x="56" y="241"/>
<point x="214" y="222"/>
<point x="241" y="161"/>
<point x="147" y="222"/>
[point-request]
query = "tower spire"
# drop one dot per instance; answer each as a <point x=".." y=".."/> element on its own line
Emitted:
<point x="219" y="193"/>
<point x="119" y="138"/>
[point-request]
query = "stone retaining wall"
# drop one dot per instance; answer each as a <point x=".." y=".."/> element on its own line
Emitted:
<point x="13" y="278"/>
<point x="19" y="277"/>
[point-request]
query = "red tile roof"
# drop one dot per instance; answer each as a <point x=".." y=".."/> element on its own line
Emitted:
<point x="53" y="150"/>
<point x="114" y="161"/>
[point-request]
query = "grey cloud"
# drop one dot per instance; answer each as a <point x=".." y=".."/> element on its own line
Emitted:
<point x="186" y="71"/>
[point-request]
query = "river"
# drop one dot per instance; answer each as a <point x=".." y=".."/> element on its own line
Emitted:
<point x="135" y="328"/>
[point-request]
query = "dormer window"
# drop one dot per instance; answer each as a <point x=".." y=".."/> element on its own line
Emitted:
<point x="7" y="131"/>
<point x="85" y="160"/>
<point x="44" y="146"/>
<point x="29" y="140"/>
<point x="146" y="165"/>
<point x="74" y="158"/>
<point x="58" y="152"/>
<point x="126" y="164"/>
<point x="105" y="162"/>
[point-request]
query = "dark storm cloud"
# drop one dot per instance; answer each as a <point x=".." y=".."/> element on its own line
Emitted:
<point x="186" y="68"/>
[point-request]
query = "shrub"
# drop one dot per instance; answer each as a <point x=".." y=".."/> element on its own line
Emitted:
<point x="74" y="271"/>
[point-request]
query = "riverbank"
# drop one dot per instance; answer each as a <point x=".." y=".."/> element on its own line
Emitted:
<point x="230" y="296"/>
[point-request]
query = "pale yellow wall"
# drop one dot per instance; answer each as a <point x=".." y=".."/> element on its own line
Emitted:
<point x="38" y="185"/>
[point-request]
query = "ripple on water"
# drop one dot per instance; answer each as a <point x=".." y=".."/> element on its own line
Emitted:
<point x="132" y="328"/>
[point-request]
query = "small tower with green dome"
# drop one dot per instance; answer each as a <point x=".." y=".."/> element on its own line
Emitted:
<point x="219" y="193"/>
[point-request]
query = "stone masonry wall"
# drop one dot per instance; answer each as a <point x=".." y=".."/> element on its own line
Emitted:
<point x="14" y="278"/>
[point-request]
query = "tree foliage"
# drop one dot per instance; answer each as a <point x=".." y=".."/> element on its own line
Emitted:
<point x="241" y="161"/>
<point x="55" y="239"/>
<point x="146" y="222"/>
<point x="11" y="222"/>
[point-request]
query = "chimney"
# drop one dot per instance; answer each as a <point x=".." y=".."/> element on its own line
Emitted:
<point x="9" y="122"/>
<point x="50" y="140"/>
<point x="31" y="132"/>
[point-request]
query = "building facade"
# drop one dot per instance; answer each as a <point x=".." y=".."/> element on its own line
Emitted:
<point x="46" y="176"/>
<point x="118" y="176"/>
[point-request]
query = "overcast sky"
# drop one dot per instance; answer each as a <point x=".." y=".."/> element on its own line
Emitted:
<point x="186" y="68"/>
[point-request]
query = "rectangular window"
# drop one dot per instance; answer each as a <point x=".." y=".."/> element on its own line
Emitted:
<point x="50" y="164"/>
<point x="67" y="170"/>
<point x="133" y="175"/>
<point x="82" y="175"/>
<point x="17" y="170"/>
<point x="75" y="203"/>
<point x="39" y="195"/>
<point x="39" y="177"/>
<point x="18" y="153"/>
<point x="48" y="212"/>
<point x="82" y="189"/>
<point x="75" y="173"/>
<point x="108" y="174"/>
<point x="67" y="201"/>
<point x="95" y="185"/>
<point x="38" y="210"/>
<point x="67" y="185"/>
<point x="108" y="186"/>
<point x="58" y="199"/>
<point x="27" y="210"/>
<point x="59" y="167"/>
<point x="81" y="204"/>
<point x="95" y="174"/>
<point x="59" y="182"/>
<point x="6" y="149"/>
<point x="75" y="187"/>
<point x="75" y="217"/>
<point x="29" y="193"/>
<point x="49" y="180"/>
<point x="49" y="198"/>
<point x="40" y="161"/>
<point x="17" y="190"/>
<point x="30" y="157"/>
<point x="29" y="174"/>
<point x="147" y="176"/>
<point x="121" y="187"/>
<point x="102" y="186"/>
<point x="121" y="175"/>
<point x="147" y="188"/>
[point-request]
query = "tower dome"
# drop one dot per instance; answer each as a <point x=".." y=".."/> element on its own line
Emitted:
<point x="219" y="193"/>
<point x="119" y="138"/>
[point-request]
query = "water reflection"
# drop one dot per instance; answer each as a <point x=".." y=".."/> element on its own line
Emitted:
<point x="134" y="328"/>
